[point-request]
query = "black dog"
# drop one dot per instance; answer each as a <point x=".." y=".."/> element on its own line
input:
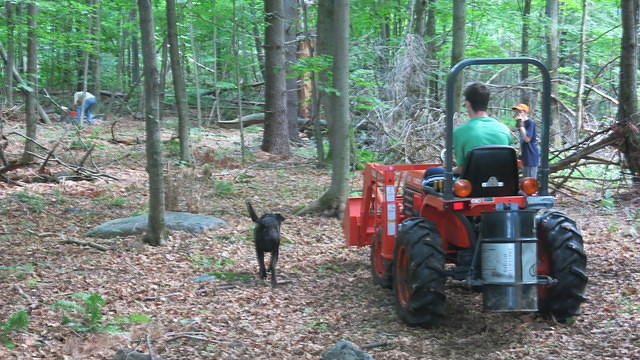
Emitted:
<point x="267" y="239"/>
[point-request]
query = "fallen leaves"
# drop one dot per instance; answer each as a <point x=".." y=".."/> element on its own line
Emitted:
<point x="326" y="293"/>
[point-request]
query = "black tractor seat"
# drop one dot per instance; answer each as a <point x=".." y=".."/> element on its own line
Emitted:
<point x="492" y="171"/>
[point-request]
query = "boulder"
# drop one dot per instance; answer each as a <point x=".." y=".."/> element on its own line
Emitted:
<point x="178" y="221"/>
<point x="345" y="350"/>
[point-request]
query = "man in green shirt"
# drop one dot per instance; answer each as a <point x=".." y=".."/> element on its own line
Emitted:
<point x="481" y="129"/>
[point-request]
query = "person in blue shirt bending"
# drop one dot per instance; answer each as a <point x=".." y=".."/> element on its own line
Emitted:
<point x="528" y="141"/>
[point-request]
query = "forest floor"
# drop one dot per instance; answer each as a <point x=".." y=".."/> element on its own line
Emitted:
<point x="151" y="298"/>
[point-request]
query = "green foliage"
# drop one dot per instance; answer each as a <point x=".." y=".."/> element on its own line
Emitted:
<point x="208" y="262"/>
<point x="330" y="269"/>
<point x="171" y="146"/>
<point x="86" y="317"/>
<point x="364" y="156"/>
<point x="117" y="201"/>
<point x="133" y="318"/>
<point x="253" y="129"/>
<point x="139" y="212"/>
<point x="19" y="271"/>
<point x="32" y="283"/>
<point x="607" y="202"/>
<point x="223" y="189"/>
<point x="16" y="322"/>
<point x="34" y="202"/>
<point x="225" y="85"/>
<point x="95" y="133"/>
<point x="316" y="63"/>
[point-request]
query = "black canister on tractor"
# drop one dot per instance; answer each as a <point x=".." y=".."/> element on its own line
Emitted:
<point x="508" y="258"/>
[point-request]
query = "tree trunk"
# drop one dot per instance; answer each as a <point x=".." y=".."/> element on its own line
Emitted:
<point x="321" y="79"/>
<point x="419" y="25"/>
<point x="94" y="61"/>
<point x="333" y="201"/>
<point x="553" y="61"/>
<point x="135" y="56"/>
<point x="196" y="70"/>
<point x="627" y="115"/>
<point x="434" y="98"/>
<point x="581" y="69"/>
<point x="236" y="52"/>
<point x="32" y="79"/>
<point x="215" y="110"/>
<point x="276" y="131"/>
<point x="457" y="47"/>
<point x="124" y="35"/>
<point x="178" y="82"/>
<point x="291" y="50"/>
<point x="164" y="70"/>
<point x="260" y="53"/>
<point x="156" y="233"/>
<point x="525" y="97"/>
<point x="10" y="51"/>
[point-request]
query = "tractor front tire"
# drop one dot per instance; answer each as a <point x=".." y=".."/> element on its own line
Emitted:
<point x="561" y="241"/>
<point x="380" y="267"/>
<point x="418" y="274"/>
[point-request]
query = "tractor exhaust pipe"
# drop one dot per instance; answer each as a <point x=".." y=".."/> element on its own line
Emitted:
<point x="508" y="257"/>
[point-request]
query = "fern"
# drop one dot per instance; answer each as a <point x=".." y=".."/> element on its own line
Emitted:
<point x="17" y="321"/>
<point x="66" y="305"/>
<point x="92" y="309"/>
<point x="91" y="312"/>
<point x="89" y="316"/>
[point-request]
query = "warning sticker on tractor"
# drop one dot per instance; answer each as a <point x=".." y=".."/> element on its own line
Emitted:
<point x="391" y="227"/>
<point x="498" y="262"/>
<point x="391" y="193"/>
<point x="391" y="212"/>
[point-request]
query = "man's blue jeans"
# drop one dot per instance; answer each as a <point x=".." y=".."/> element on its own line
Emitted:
<point x="87" y="104"/>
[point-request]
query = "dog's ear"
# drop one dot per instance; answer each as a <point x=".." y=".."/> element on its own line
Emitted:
<point x="279" y="217"/>
<point x="252" y="213"/>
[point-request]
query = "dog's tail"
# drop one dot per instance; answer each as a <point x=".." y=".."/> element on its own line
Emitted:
<point x="252" y="213"/>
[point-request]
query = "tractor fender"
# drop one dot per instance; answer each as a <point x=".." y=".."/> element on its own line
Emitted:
<point x="453" y="226"/>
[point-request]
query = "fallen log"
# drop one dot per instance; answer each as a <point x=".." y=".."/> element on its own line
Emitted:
<point x="247" y="120"/>
<point x="84" y="243"/>
<point x="253" y="119"/>
<point x="124" y="141"/>
<point x="580" y="154"/>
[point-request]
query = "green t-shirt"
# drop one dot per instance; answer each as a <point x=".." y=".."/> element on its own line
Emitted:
<point x="476" y="132"/>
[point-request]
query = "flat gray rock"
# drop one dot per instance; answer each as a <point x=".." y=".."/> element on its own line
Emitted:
<point x="203" y="278"/>
<point x="179" y="221"/>
<point x="345" y="350"/>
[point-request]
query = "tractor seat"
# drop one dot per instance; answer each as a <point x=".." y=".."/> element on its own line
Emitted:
<point x="492" y="171"/>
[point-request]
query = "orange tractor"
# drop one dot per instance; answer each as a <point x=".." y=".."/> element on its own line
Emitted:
<point x="489" y="229"/>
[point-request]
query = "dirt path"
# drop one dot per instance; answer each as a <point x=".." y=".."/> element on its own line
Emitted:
<point x="327" y="295"/>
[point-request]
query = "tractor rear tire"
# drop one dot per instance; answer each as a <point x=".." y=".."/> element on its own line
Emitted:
<point x="418" y="273"/>
<point x="380" y="267"/>
<point x="561" y="240"/>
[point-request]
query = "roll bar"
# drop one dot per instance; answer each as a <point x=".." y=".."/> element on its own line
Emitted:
<point x="546" y="119"/>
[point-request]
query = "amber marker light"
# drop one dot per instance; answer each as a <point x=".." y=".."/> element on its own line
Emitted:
<point x="462" y="188"/>
<point x="529" y="185"/>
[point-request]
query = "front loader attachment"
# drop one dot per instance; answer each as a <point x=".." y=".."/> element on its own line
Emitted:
<point x="351" y="222"/>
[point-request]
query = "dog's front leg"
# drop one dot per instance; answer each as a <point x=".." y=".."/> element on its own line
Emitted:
<point x="263" y="270"/>
<point x="272" y="266"/>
